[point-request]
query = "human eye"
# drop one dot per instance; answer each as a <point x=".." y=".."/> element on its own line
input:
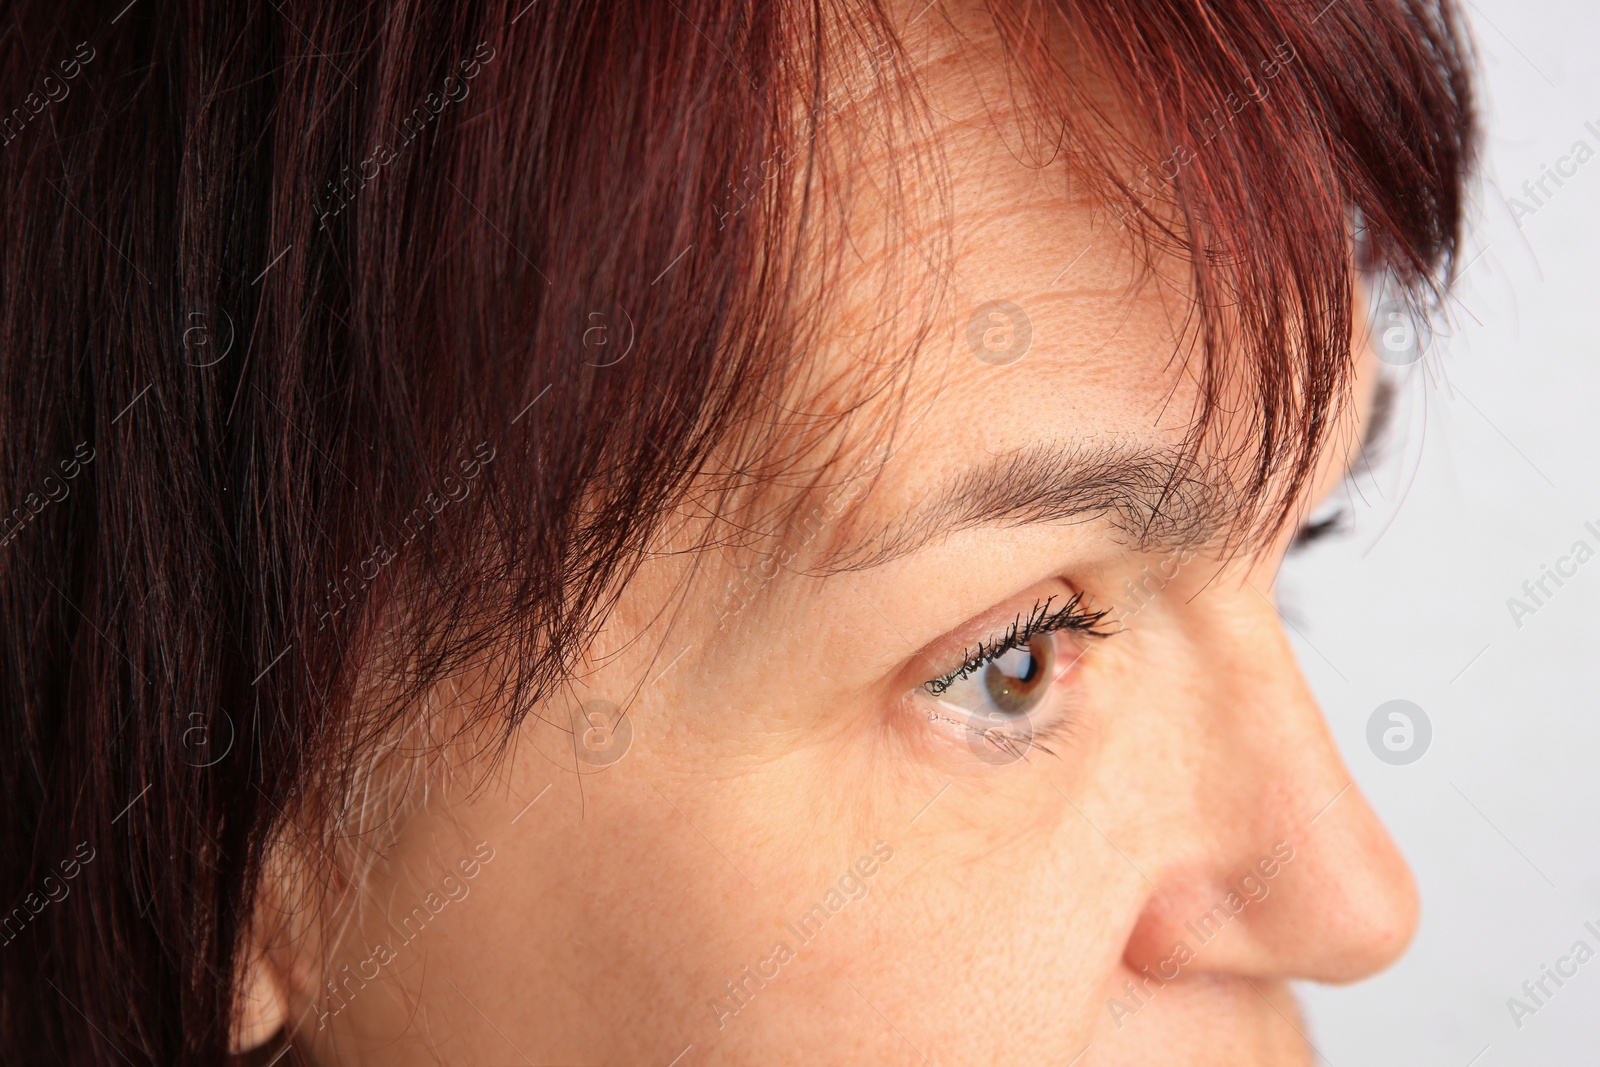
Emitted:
<point x="1327" y="524"/>
<point x="1008" y="694"/>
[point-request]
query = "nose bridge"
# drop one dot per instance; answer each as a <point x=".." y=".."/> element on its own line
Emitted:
<point x="1278" y="763"/>
<point x="1279" y="867"/>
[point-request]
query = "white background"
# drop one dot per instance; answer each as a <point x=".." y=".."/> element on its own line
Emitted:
<point x="1497" y="473"/>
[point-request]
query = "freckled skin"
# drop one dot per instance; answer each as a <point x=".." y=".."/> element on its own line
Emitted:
<point x="636" y="910"/>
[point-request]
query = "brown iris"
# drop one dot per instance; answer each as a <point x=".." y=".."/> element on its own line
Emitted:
<point x="1016" y="681"/>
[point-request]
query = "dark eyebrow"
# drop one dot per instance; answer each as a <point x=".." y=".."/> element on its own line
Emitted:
<point x="1150" y="496"/>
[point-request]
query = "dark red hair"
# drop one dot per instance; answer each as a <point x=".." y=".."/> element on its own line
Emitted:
<point x="297" y="374"/>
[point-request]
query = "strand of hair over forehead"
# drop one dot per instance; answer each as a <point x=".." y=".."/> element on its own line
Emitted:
<point x="1252" y="166"/>
<point x="404" y="365"/>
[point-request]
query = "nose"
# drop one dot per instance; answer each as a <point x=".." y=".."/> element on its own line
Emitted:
<point x="1272" y="864"/>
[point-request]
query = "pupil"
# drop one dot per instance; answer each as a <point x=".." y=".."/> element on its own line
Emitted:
<point x="1016" y="681"/>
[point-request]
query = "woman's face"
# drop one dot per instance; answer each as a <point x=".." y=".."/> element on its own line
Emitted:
<point x="1086" y="849"/>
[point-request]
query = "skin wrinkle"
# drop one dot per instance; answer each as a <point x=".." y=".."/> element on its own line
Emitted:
<point x="1153" y="498"/>
<point x="781" y="742"/>
<point x="809" y="300"/>
<point x="1141" y="494"/>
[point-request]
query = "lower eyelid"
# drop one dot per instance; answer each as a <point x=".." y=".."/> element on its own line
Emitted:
<point x="1047" y="716"/>
<point x="959" y="727"/>
<point x="967" y="736"/>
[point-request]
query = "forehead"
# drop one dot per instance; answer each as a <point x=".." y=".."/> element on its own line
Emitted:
<point x="979" y="305"/>
<point x="979" y="294"/>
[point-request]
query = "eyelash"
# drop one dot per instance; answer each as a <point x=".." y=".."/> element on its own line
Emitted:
<point x="1335" y="525"/>
<point x="1072" y="617"/>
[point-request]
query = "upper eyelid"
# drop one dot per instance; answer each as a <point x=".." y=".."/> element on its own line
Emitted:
<point x="1003" y="641"/>
<point x="1039" y="619"/>
<point x="945" y="655"/>
<point x="969" y="660"/>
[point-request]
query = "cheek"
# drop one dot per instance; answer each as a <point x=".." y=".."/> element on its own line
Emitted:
<point x="1028" y="929"/>
<point x="659" y="891"/>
